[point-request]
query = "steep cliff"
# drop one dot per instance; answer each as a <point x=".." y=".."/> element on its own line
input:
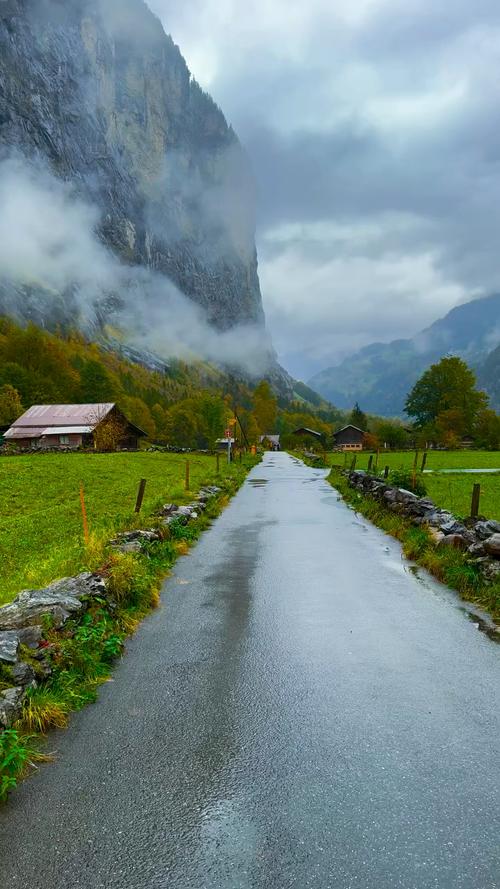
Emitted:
<point x="95" y="92"/>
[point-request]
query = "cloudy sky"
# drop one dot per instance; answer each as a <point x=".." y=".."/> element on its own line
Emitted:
<point x="373" y="129"/>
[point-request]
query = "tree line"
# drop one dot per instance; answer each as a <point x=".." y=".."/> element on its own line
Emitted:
<point x="185" y="406"/>
<point x="445" y="407"/>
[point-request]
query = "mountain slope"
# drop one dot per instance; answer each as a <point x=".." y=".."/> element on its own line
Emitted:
<point x="95" y="95"/>
<point x="380" y="376"/>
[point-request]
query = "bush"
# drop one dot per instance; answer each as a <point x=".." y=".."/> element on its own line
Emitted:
<point x="403" y="478"/>
<point x="13" y="759"/>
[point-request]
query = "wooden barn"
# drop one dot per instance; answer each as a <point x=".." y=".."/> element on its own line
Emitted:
<point x="349" y="438"/>
<point x="304" y="432"/>
<point x="72" y="426"/>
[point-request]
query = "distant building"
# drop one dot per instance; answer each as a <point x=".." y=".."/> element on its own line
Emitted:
<point x="349" y="438"/>
<point x="73" y="426"/>
<point x="303" y="431"/>
<point x="271" y="442"/>
<point x="467" y="442"/>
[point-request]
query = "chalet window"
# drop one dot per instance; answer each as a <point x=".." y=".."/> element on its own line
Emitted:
<point x="64" y="439"/>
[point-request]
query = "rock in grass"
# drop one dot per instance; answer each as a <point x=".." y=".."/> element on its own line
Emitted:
<point x="60" y="600"/>
<point x="23" y="674"/>
<point x="477" y="550"/>
<point x="10" y="705"/>
<point x="483" y="530"/>
<point x="129" y="548"/>
<point x="456" y="541"/>
<point x="492" y="546"/>
<point x="490" y="570"/>
<point x="436" y="536"/>
<point x="30" y="637"/>
<point x="9" y="647"/>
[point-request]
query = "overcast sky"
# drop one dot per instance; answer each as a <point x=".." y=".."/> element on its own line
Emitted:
<point x="373" y="127"/>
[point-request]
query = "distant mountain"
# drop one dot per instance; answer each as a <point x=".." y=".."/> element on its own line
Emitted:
<point x="380" y="375"/>
<point x="489" y="377"/>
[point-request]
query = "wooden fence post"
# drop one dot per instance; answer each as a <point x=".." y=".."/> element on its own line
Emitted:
<point x="424" y="461"/>
<point x="386" y="472"/>
<point x="353" y="464"/>
<point x="86" y="535"/>
<point x="476" y="495"/>
<point x="370" y="463"/>
<point x="187" y="475"/>
<point x="415" y="462"/>
<point x="140" y="495"/>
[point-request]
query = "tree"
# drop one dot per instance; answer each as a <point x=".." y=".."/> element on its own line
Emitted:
<point x="265" y="407"/>
<point x="358" y="417"/>
<point x="109" y="433"/>
<point x="447" y="390"/>
<point x="96" y="384"/>
<point x="182" y="428"/>
<point x="487" y="430"/>
<point x="139" y="414"/>
<point x="10" y="405"/>
<point x="371" y="442"/>
<point x="390" y="434"/>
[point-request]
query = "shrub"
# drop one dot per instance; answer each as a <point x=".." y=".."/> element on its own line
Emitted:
<point x="403" y="478"/>
<point x="13" y="759"/>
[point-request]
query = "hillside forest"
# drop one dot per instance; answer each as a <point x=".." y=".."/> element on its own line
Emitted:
<point x="183" y="406"/>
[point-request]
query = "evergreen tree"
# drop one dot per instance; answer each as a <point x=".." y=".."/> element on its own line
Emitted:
<point x="358" y="418"/>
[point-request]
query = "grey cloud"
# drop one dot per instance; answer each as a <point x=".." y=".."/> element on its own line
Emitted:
<point x="380" y="116"/>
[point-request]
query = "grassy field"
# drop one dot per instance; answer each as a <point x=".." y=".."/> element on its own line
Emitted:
<point x="436" y="460"/>
<point x="451" y="489"/>
<point x="41" y="536"/>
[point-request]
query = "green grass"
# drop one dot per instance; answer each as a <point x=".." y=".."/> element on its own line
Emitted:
<point x="41" y="537"/>
<point x="454" y="492"/>
<point x="451" y="491"/>
<point x="435" y="459"/>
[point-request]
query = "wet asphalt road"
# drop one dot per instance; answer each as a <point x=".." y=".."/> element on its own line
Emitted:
<point x="302" y="712"/>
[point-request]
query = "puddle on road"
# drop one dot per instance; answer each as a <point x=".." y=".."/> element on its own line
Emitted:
<point x="479" y="618"/>
<point x="257" y="482"/>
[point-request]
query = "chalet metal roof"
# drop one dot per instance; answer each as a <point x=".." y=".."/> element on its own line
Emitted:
<point x="308" y="431"/>
<point x="349" y="426"/>
<point x="64" y="415"/>
<point x="57" y="419"/>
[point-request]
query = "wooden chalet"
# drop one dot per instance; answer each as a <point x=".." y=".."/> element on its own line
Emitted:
<point x="71" y="426"/>
<point x="349" y="438"/>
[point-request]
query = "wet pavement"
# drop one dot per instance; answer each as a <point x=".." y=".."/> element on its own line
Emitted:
<point x="303" y="711"/>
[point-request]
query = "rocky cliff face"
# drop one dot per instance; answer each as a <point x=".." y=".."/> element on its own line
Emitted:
<point x="96" y="91"/>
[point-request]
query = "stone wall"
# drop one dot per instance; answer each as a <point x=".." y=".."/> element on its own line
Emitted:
<point x="478" y="538"/>
<point x="25" y="656"/>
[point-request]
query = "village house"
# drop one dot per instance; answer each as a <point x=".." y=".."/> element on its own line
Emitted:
<point x="72" y="426"/>
<point x="349" y="438"/>
<point x="304" y="432"/>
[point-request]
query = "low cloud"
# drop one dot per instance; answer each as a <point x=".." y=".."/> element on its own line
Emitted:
<point x="49" y="246"/>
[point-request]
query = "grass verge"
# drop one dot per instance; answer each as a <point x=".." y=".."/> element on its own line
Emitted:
<point x="448" y="565"/>
<point x="82" y="654"/>
<point x="41" y="534"/>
